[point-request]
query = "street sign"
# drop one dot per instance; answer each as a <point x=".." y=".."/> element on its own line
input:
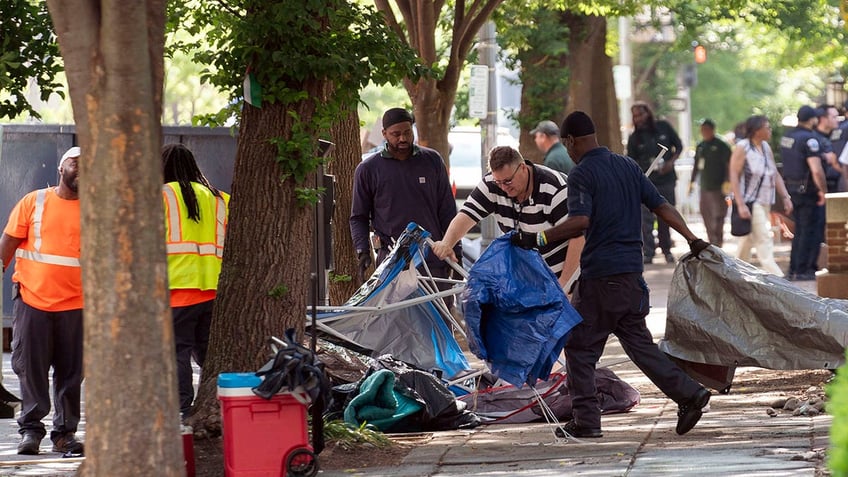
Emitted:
<point x="478" y="92"/>
<point x="677" y="104"/>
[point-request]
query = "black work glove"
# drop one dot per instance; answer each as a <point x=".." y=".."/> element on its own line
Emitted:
<point x="364" y="263"/>
<point x="526" y="240"/>
<point x="697" y="246"/>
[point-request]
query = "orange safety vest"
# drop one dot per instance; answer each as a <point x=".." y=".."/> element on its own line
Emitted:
<point x="47" y="266"/>
<point x="195" y="249"/>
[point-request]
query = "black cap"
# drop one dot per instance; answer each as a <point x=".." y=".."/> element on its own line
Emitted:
<point x="708" y="122"/>
<point x="806" y="113"/>
<point x="577" y="124"/>
<point x="396" y="115"/>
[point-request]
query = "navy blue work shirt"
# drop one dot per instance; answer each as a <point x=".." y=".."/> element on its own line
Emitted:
<point x="610" y="189"/>
<point x="389" y="193"/>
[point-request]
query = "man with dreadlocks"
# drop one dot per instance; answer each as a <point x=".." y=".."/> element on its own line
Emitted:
<point x="195" y="225"/>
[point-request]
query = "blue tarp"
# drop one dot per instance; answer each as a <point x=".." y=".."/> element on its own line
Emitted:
<point x="516" y="314"/>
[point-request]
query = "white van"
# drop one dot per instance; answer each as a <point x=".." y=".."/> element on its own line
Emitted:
<point x="467" y="164"/>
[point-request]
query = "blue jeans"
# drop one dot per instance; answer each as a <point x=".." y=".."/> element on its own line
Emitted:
<point x="809" y="234"/>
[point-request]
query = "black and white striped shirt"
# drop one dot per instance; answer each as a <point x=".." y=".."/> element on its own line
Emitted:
<point x="545" y="208"/>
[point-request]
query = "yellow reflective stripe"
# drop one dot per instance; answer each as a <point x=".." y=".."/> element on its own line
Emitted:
<point x="37" y="217"/>
<point x="194" y="248"/>
<point x="173" y="213"/>
<point x="47" y="258"/>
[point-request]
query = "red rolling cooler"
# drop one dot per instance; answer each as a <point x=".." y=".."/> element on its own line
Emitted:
<point x="263" y="437"/>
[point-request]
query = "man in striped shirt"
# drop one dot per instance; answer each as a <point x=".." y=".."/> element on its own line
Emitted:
<point x="522" y="196"/>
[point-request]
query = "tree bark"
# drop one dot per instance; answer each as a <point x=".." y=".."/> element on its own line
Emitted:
<point x="113" y="54"/>
<point x="433" y="98"/>
<point x="591" y="89"/>
<point x="345" y="158"/>
<point x="266" y="267"/>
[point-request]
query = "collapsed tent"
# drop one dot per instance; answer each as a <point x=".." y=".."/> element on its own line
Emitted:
<point x="517" y="316"/>
<point x="399" y="312"/>
<point x="723" y="311"/>
<point x="511" y="405"/>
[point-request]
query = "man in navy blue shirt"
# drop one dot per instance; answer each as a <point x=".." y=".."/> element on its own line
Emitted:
<point x="605" y="195"/>
<point x="402" y="183"/>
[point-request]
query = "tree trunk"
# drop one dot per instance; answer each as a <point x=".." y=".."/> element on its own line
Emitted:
<point x="592" y="88"/>
<point x="346" y="156"/>
<point x="432" y="102"/>
<point x="113" y="60"/>
<point x="266" y="268"/>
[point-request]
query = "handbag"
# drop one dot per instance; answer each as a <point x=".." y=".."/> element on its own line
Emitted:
<point x="740" y="227"/>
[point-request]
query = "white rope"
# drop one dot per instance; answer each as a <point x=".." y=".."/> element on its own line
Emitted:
<point x="553" y="421"/>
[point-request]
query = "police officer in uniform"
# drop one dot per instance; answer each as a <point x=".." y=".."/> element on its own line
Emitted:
<point x="827" y="123"/>
<point x="804" y="177"/>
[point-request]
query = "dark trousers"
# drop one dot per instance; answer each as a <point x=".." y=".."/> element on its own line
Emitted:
<point x="42" y="339"/>
<point x="616" y="304"/>
<point x="649" y="245"/>
<point x="191" y="336"/>
<point x="714" y="210"/>
<point x="809" y="234"/>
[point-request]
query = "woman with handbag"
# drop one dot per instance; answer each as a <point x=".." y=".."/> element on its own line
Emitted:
<point x="754" y="180"/>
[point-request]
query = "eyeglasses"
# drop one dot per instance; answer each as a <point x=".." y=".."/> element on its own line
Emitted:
<point x="507" y="182"/>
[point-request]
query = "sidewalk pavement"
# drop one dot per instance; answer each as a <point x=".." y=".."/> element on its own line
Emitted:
<point x="735" y="437"/>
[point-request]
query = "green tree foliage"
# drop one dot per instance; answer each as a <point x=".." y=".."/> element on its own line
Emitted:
<point x="287" y="44"/>
<point x="29" y="51"/>
<point x="837" y="406"/>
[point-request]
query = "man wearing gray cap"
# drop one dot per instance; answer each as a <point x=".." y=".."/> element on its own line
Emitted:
<point x="546" y="136"/>
<point x="43" y="234"/>
<point x="402" y="183"/>
<point x="804" y="177"/>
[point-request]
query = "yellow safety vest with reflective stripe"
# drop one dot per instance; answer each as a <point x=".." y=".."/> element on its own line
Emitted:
<point x="195" y="249"/>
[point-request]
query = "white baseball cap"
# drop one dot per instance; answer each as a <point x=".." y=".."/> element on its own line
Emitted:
<point x="70" y="153"/>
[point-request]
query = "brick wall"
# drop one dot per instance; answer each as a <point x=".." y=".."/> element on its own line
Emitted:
<point x="834" y="284"/>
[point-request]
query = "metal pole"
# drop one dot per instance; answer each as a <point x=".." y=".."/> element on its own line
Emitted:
<point x="625" y="53"/>
<point x="487" y="49"/>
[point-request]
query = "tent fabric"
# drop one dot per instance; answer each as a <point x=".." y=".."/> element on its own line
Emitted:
<point x="511" y="405"/>
<point x="378" y="404"/>
<point x="395" y="397"/>
<point x="416" y="334"/>
<point x="723" y="311"/>
<point x="517" y="316"/>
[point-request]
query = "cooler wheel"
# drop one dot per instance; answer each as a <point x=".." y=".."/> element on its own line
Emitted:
<point x="302" y="463"/>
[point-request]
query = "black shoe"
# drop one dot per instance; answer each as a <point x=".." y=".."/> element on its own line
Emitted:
<point x="669" y="258"/>
<point x="7" y="410"/>
<point x="689" y="413"/>
<point x="69" y="445"/>
<point x="647" y="260"/>
<point x="29" y="444"/>
<point x="575" y="430"/>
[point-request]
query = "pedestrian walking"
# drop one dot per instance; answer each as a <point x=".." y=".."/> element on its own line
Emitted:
<point x="643" y="147"/>
<point x="805" y="180"/>
<point x="195" y="228"/>
<point x="755" y="181"/>
<point x="605" y="194"/>
<point x="43" y="234"/>
<point x="524" y="197"/>
<point x="400" y="184"/>
<point x="712" y="158"/>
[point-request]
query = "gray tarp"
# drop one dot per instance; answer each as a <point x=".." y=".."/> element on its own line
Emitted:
<point x="724" y="311"/>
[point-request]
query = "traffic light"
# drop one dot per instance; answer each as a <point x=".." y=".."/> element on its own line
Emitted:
<point x="700" y="54"/>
